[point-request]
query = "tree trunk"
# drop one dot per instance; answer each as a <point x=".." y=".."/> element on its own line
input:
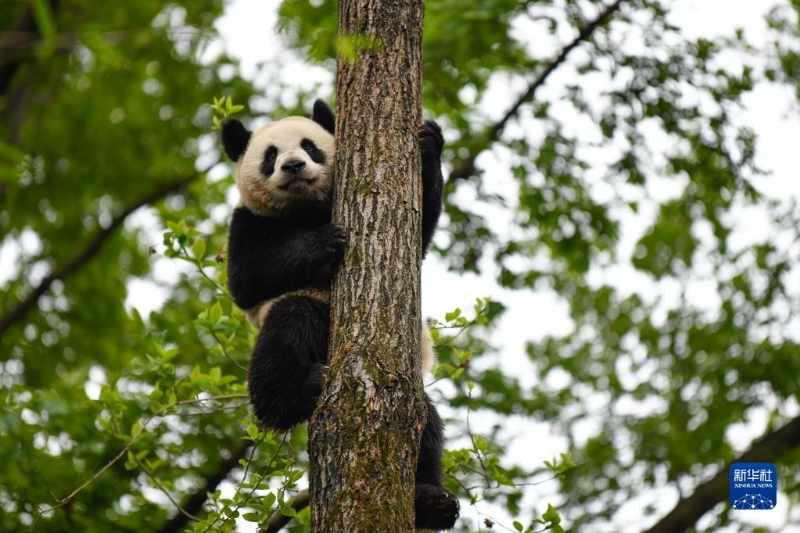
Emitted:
<point x="364" y="437"/>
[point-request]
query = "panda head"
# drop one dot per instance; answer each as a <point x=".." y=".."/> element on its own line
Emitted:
<point x="285" y="167"/>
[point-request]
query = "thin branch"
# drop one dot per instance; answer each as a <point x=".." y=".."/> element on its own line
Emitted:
<point x="493" y="522"/>
<point x="23" y="32"/>
<point x="466" y="167"/>
<point x="128" y="446"/>
<point x="278" y="520"/>
<point x="201" y="401"/>
<point x="18" y="46"/>
<point x="194" y="504"/>
<point x="94" y="245"/>
<point x="182" y="511"/>
<point x="451" y="341"/>
<point x="475" y="449"/>
<point x="249" y="462"/>
<point x="228" y="356"/>
<point x="69" y="497"/>
<point x="687" y="512"/>
<point x="203" y="273"/>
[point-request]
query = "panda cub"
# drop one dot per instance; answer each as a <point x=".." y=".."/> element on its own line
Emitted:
<point x="282" y="251"/>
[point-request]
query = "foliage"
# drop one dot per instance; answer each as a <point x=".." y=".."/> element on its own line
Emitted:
<point x="613" y="169"/>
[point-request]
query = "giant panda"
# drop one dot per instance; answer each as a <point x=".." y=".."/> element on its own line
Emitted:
<point x="282" y="251"/>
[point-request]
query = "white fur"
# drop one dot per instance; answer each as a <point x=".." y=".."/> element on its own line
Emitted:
<point x="263" y="195"/>
<point x="426" y="347"/>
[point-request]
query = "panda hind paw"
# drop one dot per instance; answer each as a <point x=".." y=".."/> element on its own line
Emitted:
<point x="435" y="508"/>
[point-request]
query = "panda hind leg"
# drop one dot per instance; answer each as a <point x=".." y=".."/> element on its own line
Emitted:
<point x="435" y="507"/>
<point x="288" y="367"/>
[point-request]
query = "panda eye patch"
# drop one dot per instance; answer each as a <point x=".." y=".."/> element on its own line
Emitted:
<point x="316" y="155"/>
<point x="268" y="164"/>
<point x="308" y="146"/>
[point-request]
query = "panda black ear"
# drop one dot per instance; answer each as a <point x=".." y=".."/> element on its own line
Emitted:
<point x="323" y="115"/>
<point x="234" y="138"/>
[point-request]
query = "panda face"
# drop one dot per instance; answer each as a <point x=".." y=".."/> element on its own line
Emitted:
<point x="286" y="167"/>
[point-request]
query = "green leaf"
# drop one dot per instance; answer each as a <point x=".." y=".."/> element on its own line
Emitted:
<point x="452" y="315"/>
<point x="288" y="511"/>
<point x="551" y="515"/>
<point x="269" y="500"/>
<point x="45" y="21"/>
<point x="199" y="248"/>
<point x="351" y="47"/>
<point x="215" y="313"/>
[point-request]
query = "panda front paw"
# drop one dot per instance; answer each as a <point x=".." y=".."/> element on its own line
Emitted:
<point x="435" y="508"/>
<point x="431" y="140"/>
<point x="333" y="239"/>
<point x="316" y="380"/>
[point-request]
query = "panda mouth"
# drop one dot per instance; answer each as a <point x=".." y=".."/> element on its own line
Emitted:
<point x="297" y="182"/>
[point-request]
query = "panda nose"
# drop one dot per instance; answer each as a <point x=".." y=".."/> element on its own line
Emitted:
<point x="293" y="167"/>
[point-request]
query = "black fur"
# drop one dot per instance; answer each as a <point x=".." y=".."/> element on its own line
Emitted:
<point x="323" y="115"/>
<point x="288" y="362"/>
<point x="316" y="155"/>
<point x="272" y="256"/>
<point x="435" y="508"/>
<point x="431" y="143"/>
<point x="268" y="256"/>
<point x="234" y="138"/>
<point x="268" y="164"/>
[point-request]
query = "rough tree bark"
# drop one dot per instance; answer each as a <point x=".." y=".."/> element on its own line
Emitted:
<point x="364" y="437"/>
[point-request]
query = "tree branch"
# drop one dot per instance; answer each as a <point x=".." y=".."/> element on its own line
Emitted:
<point x="22" y="34"/>
<point x="278" y="520"/>
<point x="466" y="167"/>
<point x="194" y="503"/>
<point x="687" y="512"/>
<point x="18" y="312"/>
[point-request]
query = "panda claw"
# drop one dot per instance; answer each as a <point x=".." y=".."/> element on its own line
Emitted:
<point x="316" y="380"/>
<point x="335" y="240"/>
<point x="435" y="508"/>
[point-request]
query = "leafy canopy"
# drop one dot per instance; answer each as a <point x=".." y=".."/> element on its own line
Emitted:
<point x="599" y="156"/>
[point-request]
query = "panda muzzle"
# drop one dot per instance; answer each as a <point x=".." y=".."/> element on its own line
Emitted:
<point x="293" y="166"/>
<point x="287" y="181"/>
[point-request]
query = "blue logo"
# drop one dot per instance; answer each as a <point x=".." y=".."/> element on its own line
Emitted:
<point x="753" y="486"/>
